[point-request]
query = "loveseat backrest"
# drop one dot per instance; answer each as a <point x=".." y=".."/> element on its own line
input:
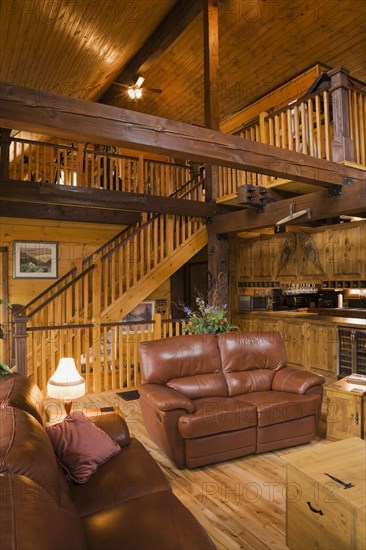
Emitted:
<point x="189" y="364"/>
<point x="250" y="359"/>
<point x="21" y="392"/>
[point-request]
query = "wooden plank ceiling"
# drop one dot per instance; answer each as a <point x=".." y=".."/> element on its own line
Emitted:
<point x="80" y="48"/>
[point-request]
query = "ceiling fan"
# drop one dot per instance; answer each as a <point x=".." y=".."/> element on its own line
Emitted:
<point x="134" y="91"/>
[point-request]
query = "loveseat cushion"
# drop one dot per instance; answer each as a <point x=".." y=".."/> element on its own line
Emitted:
<point x="250" y="359"/>
<point x="158" y="521"/>
<point x="190" y="365"/>
<point x="21" y="392"/>
<point x="31" y="519"/>
<point x="26" y="449"/>
<point x="279" y="407"/>
<point x="217" y="415"/>
<point x="127" y="476"/>
<point x="81" y="446"/>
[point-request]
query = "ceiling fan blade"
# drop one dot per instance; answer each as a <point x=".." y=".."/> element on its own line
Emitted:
<point x="155" y="90"/>
<point x="121" y="85"/>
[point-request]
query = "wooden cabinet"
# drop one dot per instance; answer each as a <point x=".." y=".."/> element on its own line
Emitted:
<point x="344" y="251"/>
<point x="320" y="512"/>
<point x="345" y="410"/>
<point x="260" y="257"/>
<point x="321" y="348"/>
<point x="293" y="335"/>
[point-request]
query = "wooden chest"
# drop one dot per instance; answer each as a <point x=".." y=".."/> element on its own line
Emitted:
<point x="321" y="513"/>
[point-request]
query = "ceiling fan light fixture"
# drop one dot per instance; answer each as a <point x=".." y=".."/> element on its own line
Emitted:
<point x="138" y="93"/>
<point x="139" y="82"/>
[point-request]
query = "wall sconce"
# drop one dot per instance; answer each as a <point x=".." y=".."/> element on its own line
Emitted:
<point x="66" y="383"/>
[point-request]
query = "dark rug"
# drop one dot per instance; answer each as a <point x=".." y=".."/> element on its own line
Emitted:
<point x="128" y="395"/>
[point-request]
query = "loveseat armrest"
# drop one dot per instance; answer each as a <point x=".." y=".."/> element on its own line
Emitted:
<point x="164" y="398"/>
<point x="294" y="380"/>
<point x="114" y="425"/>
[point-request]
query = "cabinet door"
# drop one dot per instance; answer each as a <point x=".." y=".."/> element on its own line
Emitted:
<point x="344" y="414"/>
<point x="321" y="348"/>
<point x="260" y="257"/>
<point x="244" y="268"/>
<point x="293" y="335"/>
<point x="344" y="248"/>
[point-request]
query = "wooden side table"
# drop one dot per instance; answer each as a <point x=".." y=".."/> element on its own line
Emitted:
<point x="321" y="513"/>
<point x="346" y="405"/>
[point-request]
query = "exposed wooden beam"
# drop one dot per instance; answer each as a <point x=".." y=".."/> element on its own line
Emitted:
<point x="87" y="121"/>
<point x="33" y="192"/>
<point x="211" y="64"/>
<point x="352" y="200"/>
<point x="177" y="20"/>
<point x="42" y="211"/>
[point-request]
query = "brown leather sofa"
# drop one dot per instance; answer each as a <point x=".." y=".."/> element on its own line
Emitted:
<point x="208" y="398"/>
<point x="127" y="503"/>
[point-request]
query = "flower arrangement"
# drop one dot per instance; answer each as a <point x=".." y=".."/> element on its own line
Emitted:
<point x="208" y="319"/>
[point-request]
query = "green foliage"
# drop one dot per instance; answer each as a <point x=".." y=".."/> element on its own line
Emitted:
<point x="208" y="319"/>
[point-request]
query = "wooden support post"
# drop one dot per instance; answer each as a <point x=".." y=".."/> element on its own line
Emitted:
<point x="342" y="143"/>
<point x="4" y="158"/>
<point x="20" y="337"/>
<point x="218" y="250"/>
<point x="97" y="293"/>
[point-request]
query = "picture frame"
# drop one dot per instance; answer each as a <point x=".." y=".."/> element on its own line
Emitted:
<point x="144" y="311"/>
<point x="35" y="260"/>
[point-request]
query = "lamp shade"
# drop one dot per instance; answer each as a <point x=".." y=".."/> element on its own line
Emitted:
<point x="66" y="383"/>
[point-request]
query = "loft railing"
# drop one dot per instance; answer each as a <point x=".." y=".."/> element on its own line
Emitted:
<point x="328" y="124"/>
<point x="98" y="167"/>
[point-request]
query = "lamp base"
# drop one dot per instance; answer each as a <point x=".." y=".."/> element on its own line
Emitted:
<point x="68" y="405"/>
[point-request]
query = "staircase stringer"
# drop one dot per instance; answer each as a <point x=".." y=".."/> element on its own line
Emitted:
<point x="155" y="277"/>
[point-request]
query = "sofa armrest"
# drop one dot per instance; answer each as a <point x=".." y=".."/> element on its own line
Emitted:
<point x="294" y="380"/>
<point x="164" y="398"/>
<point x="114" y="425"/>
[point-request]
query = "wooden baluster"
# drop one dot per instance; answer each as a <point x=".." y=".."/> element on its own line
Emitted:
<point x="327" y="127"/>
<point x="96" y="332"/>
<point x="271" y="131"/>
<point x="304" y="128"/>
<point x="318" y="127"/>
<point x="297" y="128"/>
<point x="311" y="127"/>
<point x="277" y="136"/>
<point x="283" y="131"/>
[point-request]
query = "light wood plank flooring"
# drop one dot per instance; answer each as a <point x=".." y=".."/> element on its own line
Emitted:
<point x="241" y="503"/>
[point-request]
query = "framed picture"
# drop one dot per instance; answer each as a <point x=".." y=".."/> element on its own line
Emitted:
<point x="34" y="260"/>
<point x="143" y="312"/>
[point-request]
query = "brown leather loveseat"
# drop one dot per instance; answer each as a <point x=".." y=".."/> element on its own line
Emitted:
<point x="127" y="503"/>
<point x="208" y="398"/>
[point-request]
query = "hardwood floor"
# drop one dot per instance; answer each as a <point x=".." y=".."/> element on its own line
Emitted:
<point x="241" y="503"/>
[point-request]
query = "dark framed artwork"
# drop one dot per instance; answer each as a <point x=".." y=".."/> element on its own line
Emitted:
<point x="35" y="260"/>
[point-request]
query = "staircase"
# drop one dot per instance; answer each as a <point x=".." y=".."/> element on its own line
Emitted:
<point x="75" y="316"/>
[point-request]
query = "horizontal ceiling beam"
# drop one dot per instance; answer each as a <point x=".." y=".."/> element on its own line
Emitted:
<point x="33" y="192"/>
<point x="78" y="119"/>
<point x="352" y="200"/>
<point x="17" y="209"/>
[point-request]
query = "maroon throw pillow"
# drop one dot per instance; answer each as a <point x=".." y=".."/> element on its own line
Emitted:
<point x="81" y="446"/>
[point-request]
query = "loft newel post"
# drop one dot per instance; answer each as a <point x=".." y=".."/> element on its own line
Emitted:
<point x="20" y="338"/>
<point x="342" y="143"/>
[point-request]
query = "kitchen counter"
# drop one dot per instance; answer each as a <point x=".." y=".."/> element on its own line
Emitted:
<point x="359" y="313"/>
<point x="308" y="317"/>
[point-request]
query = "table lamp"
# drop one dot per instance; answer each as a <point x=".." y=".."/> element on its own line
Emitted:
<point x="66" y="383"/>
